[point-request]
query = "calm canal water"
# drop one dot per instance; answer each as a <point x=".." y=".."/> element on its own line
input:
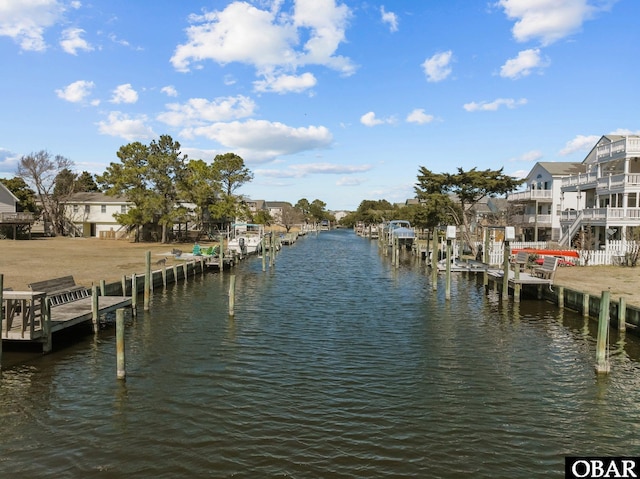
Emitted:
<point x="336" y="366"/>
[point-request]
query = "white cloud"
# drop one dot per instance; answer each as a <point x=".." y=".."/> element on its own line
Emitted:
<point x="268" y="39"/>
<point x="76" y="92"/>
<point x="198" y="111"/>
<point x="72" y="41"/>
<point x="131" y="129"/>
<point x="390" y="18"/>
<point x="438" y="67"/>
<point x="300" y="171"/>
<point x="523" y="64"/>
<point x="26" y="20"/>
<point x="548" y="20"/>
<point x="286" y="83"/>
<point x="124" y="94"/>
<point x="260" y="140"/>
<point x="369" y="119"/>
<point x="495" y="104"/>
<point x="579" y="143"/>
<point x="529" y="156"/>
<point x="350" y="181"/>
<point x="169" y="90"/>
<point x="419" y="116"/>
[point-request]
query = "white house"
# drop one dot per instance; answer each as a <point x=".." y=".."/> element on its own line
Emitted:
<point x="91" y="214"/>
<point x="607" y="192"/>
<point x="535" y="212"/>
<point x="8" y="200"/>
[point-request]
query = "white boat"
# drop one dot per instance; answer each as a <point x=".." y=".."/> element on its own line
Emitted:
<point x="401" y="229"/>
<point x="247" y="238"/>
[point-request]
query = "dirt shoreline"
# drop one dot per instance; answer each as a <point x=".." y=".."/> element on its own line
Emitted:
<point x="90" y="260"/>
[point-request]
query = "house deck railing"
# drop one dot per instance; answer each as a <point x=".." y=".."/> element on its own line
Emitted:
<point x="21" y="217"/>
<point x="531" y="195"/>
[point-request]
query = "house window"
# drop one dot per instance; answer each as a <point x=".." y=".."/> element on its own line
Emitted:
<point x="87" y="209"/>
<point x="75" y="208"/>
<point x="103" y="208"/>
<point x="123" y="209"/>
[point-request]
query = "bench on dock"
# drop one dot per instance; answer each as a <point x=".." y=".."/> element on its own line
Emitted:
<point x="548" y="268"/>
<point x="521" y="260"/>
<point x="61" y="290"/>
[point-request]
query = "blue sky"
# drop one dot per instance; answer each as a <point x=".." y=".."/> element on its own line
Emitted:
<point x="340" y="101"/>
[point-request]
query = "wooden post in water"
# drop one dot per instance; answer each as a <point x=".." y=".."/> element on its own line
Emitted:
<point x="221" y="256"/>
<point x="124" y="285"/>
<point x="585" y="304"/>
<point x="175" y="273"/>
<point x="95" y="308"/>
<point x="164" y="276"/>
<point x="505" y="267"/>
<point x="561" y="296"/>
<point x="103" y="287"/>
<point x="264" y="254"/>
<point x="120" y="363"/>
<point x="134" y="294"/>
<point x="434" y="260"/>
<point x="447" y="291"/>
<point x="147" y="281"/>
<point x="1" y="315"/>
<point x="622" y="314"/>
<point x="232" y="295"/>
<point x="47" y="346"/>
<point x="602" y="359"/>
<point x="185" y="271"/>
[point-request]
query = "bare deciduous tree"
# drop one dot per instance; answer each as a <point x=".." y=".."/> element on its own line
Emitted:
<point x="39" y="171"/>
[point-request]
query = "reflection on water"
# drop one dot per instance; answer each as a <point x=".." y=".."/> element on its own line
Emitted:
<point x="335" y="365"/>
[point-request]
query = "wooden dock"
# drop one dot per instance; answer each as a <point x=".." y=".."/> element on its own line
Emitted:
<point x="28" y="315"/>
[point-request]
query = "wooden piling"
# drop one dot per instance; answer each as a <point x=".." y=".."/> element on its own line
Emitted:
<point x="434" y="260"/>
<point x="95" y="308"/>
<point x="585" y="305"/>
<point x="147" y="281"/>
<point x="1" y="315"/>
<point x="134" y="294"/>
<point x="447" y="293"/>
<point x="185" y="271"/>
<point x="164" y="276"/>
<point x="120" y="359"/>
<point x="103" y="287"/>
<point x="175" y="273"/>
<point x="505" y="269"/>
<point x="47" y="345"/>
<point x="560" y="296"/>
<point x="622" y="314"/>
<point x="264" y="255"/>
<point x="232" y="295"/>
<point x="602" y="359"/>
<point x="124" y="285"/>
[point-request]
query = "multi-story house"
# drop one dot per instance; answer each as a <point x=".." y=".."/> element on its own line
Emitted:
<point x="91" y="214"/>
<point x="535" y="212"/>
<point x="607" y="192"/>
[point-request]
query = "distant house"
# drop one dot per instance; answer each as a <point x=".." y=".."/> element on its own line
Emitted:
<point x="12" y="221"/>
<point x="275" y="209"/>
<point x="8" y="201"/>
<point x="90" y="214"/>
<point x="606" y="192"/>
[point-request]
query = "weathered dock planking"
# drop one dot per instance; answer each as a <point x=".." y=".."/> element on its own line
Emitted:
<point x="28" y="315"/>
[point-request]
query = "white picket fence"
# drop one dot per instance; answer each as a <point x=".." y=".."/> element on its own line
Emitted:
<point x="615" y="254"/>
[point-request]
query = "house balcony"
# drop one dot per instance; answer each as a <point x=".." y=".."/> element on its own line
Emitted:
<point x="530" y="220"/>
<point x="603" y="216"/>
<point x="618" y="149"/>
<point x="531" y="195"/>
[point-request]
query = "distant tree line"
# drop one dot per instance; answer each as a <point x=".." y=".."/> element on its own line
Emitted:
<point x="159" y="182"/>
